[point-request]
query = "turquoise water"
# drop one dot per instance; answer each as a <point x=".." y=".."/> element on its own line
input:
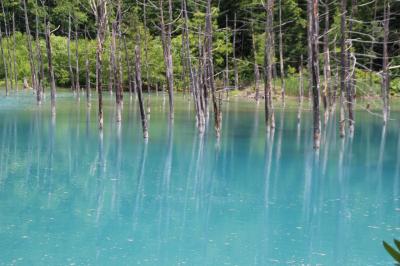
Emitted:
<point x="71" y="196"/>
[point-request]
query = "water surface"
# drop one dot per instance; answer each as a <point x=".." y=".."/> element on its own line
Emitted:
<point x="72" y="196"/>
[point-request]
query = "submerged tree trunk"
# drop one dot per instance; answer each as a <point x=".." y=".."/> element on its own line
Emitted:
<point x="51" y="71"/>
<point x="4" y="62"/>
<point x="71" y="72"/>
<point x="235" y="66"/>
<point x="14" y="53"/>
<point x="226" y="76"/>
<point x="146" y="48"/>
<point x="40" y="70"/>
<point x="315" y="73"/>
<point x="283" y="85"/>
<point x="139" y="88"/>
<point x="301" y="82"/>
<point x="87" y="66"/>
<point x="256" y="69"/>
<point x="385" y="70"/>
<point x="116" y="73"/>
<point x="327" y="96"/>
<point x="30" y="51"/>
<point x="209" y="70"/>
<point x="268" y="65"/>
<point x="78" y="87"/>
<point x="166" y="40"/>
<point x="99" y="8"/>
<point x="128" y="66"/>
<point x="7" y="34"/>
<point x="343" y="66"/>
<point x="194" y="88"/>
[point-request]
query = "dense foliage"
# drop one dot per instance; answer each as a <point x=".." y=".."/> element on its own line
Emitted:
<point x="367" y="26"/>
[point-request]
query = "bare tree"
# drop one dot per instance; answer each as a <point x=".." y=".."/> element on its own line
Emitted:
<point x="30" y="51"/>
<point x="343" y="65"/>
<point x="99" y="8"/>
<point x="4" y="61"/>
<point x="385" y="70"/>
<point x="268" y="65"/>
<point x="209" y="70"/>
<point x="78" y="86"/>
<point x="314" y="20"/>
<point x="166" y="40"/>
<point x="283" y="85"/>
<point x="14" y="53"/>
<point x="235" y="66"/>
<point x="256" y="67"/>
<point x="71" y="72"/>
<point x="139" y="88"/>
<point x="40" y="69"/>
<point x="51" y="71"/>
<point x="327" y="96"/>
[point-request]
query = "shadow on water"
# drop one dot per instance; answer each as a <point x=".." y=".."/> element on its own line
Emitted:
<point x="70" y="193"/>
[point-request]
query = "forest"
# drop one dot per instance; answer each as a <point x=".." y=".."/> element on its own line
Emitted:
<point x="332" y="52"/>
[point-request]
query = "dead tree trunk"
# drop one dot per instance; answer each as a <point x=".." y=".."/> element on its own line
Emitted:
<point x="166" y="40"/>
<point x="128" y="66"/>
<point x="30" y="51"/>
<point x="209" y="70"/>
<point x="315" y="73"/>
<point x="385" y="63"/>
<point x="200" y="120"/>
<point x="4" y="62"/>
<point x="87" y="66"/>
<point x="268" y="65"/>
<point x="40" y="70"/>
<point x="117" y="78"/>
<point x="99" y="8"/>
<point x="343" y="66"/>
<point x="78" y="87"/>
<point x="7" y="41"/>
<point x="226" y="78"/>
<point x="139" y="88"/>
<point x="282" y="70"/>
<point x="71" y="72"/>
<point x="351" y="74"/>
<point x="146" y="48"/>
<point x="235" y="66"/>
<point x="327" y="96"/>
<point x="301" y="81"/>
<point x="14" y="53"/>
<point x="256" y="69"/>
<point x="51" y="71"/>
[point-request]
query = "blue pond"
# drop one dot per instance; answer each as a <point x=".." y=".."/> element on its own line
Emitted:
<point x="72" y="196"/>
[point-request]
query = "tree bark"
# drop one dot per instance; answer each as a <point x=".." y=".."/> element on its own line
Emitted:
<point x="139" y="88"/>
<point x="78" y="87"/>
<point x="14" y="53"/>
<point x="99" y="8"/>
<point x="4" y="62"/>
<point x="166" y="40"/>
<point x="343" y="65"/>
<point x="209" y="70"/>
<point x="51" y="71"/>
<point x="40" y="69"/>
<point x="235" y="66"/>
<point x="268" y="65"/>
<point x="315" y="74"/>
<point x="327" y="96"/>
<point x="71" y="72"/>
<point x="128" y="66"/>
<point x="282" y="70"/>
<point x="87" y="66"/>
<point x="256" y="69"/>
<point x="385" y="63"/>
